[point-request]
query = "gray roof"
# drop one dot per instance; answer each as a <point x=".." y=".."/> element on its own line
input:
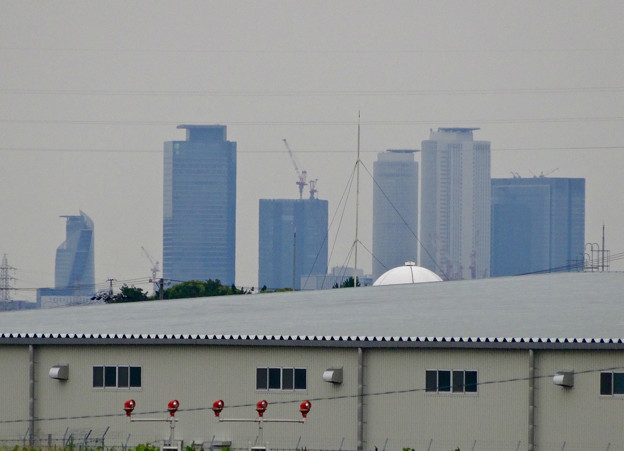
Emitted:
<point x="548" y="308"/>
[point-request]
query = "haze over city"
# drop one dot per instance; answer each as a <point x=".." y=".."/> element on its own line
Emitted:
<point x="92" y="90"/>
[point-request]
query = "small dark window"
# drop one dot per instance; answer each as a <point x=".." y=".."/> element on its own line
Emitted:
<point x="300" y="379"/>
<point x="606" y="383"/>
<point x="458" y="381"/>
<point x="444" y="380"/>
<point x="618" y="383"/>
<point x="262" y="381"/>
<point x="281" y="379"/>
<point x="98" y="376"/>
<point x="471" y="381"/>
<point x="455" y="381"/>
<point x="122" y="377"/>
<point x="110" y="376"/>
<point x="135" y="376"/>
<point x="275" y="381"/>
<point x="288" y="378"/>
<point x="431" y="381"/>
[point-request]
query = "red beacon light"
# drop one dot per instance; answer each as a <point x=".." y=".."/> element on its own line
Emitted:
<point x="304" y="408"/>
<point x="261" y="407"/>
<point x="129" y="406"/>
<point x="217" y="407"/>
<point x="172" y="407"/>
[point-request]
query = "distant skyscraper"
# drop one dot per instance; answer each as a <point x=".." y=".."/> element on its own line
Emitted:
<point x="395" y="210"/>
<point x="74" y="268"/>
<point x="199" y="199"/>
<point x="455" y="216"/>
<point x="538" y="224"/>
<point x="291" y="231"/>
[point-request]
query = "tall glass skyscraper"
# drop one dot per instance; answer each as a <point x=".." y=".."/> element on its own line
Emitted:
<point x="74" y="267"/>
<point x="292" y="241"/>
<point x="199" y="200"/>
<point x="538" y="225"/>
<point x="395" y="210"/>
<point x="455" y="216"/>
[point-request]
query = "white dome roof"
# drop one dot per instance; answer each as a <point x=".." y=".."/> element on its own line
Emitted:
<point x="409" y="273"/>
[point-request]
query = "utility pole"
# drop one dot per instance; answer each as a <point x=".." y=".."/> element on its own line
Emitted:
<point x="357" y="204"/>
<point x="5" y="280"/>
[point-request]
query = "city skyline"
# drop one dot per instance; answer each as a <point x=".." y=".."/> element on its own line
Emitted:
<point x="91" y="91"/>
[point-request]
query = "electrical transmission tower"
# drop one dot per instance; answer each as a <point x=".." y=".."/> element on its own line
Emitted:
<point x="5" y="280"/>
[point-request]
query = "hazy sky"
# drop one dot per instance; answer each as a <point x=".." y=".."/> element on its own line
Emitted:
<point x="90" y="91"/>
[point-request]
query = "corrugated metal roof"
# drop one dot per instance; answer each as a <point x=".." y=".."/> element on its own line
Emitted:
<point x="550" y="309"/>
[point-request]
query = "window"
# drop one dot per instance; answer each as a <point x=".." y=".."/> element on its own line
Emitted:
<point x="450" y="381"/>
<point x="116" y="376"/>
<point x="281" y="379"/>
<point x="611" y="383"/>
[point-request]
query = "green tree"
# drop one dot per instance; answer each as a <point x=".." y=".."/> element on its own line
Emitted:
<point x="346" y="283"/>
<point x="128" y="294"/>
<point x="197" y="288"/>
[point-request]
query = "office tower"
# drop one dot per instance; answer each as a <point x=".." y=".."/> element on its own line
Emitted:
<point x="538" y="225"/>
<point x="395" y="210"/>
<point x="74" y="268"/>
<point x="199" y="199"/>
<point x="455" y="216"/>
<point x="292" y="241"/>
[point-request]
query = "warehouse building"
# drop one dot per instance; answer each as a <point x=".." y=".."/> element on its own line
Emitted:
<point x="511" y="363"/>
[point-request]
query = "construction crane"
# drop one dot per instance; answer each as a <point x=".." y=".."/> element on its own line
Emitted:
<point x="301" y="174"/>
<point x="155" y="270"/>
<point x="313" y="189"/>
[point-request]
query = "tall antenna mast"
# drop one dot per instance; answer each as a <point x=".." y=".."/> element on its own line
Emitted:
<point x="357" y="203"/>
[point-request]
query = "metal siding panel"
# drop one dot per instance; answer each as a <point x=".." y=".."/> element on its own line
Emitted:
<point x="399" y="414"/>
<point x="15" y="390"/>
<point x="578" y="416"/>
<point x="197" y="376"/>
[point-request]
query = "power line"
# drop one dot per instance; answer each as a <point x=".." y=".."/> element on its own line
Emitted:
<point x="315" y="93"/>
<point x="583" y="119"/>
<point x="323" y="151"/>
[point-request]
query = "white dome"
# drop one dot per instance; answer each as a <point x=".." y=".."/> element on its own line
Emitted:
<point x="409" y="273"/>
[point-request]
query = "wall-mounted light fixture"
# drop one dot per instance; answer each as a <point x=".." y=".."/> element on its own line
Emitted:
<point x="333" y="375"/>
<point x="564" y="378"/>
<point x="60" y="372"/>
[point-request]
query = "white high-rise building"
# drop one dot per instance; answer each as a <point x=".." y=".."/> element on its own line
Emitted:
<point x="395" y="210"/>
<point x="455" y="215"/>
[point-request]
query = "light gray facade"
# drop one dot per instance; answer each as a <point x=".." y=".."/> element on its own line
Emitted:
<point x="388" y="341"/>
<point x="455" y="214"/>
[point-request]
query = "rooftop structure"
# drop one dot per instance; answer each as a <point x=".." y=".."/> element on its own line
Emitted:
<point x="407" y="274"/>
